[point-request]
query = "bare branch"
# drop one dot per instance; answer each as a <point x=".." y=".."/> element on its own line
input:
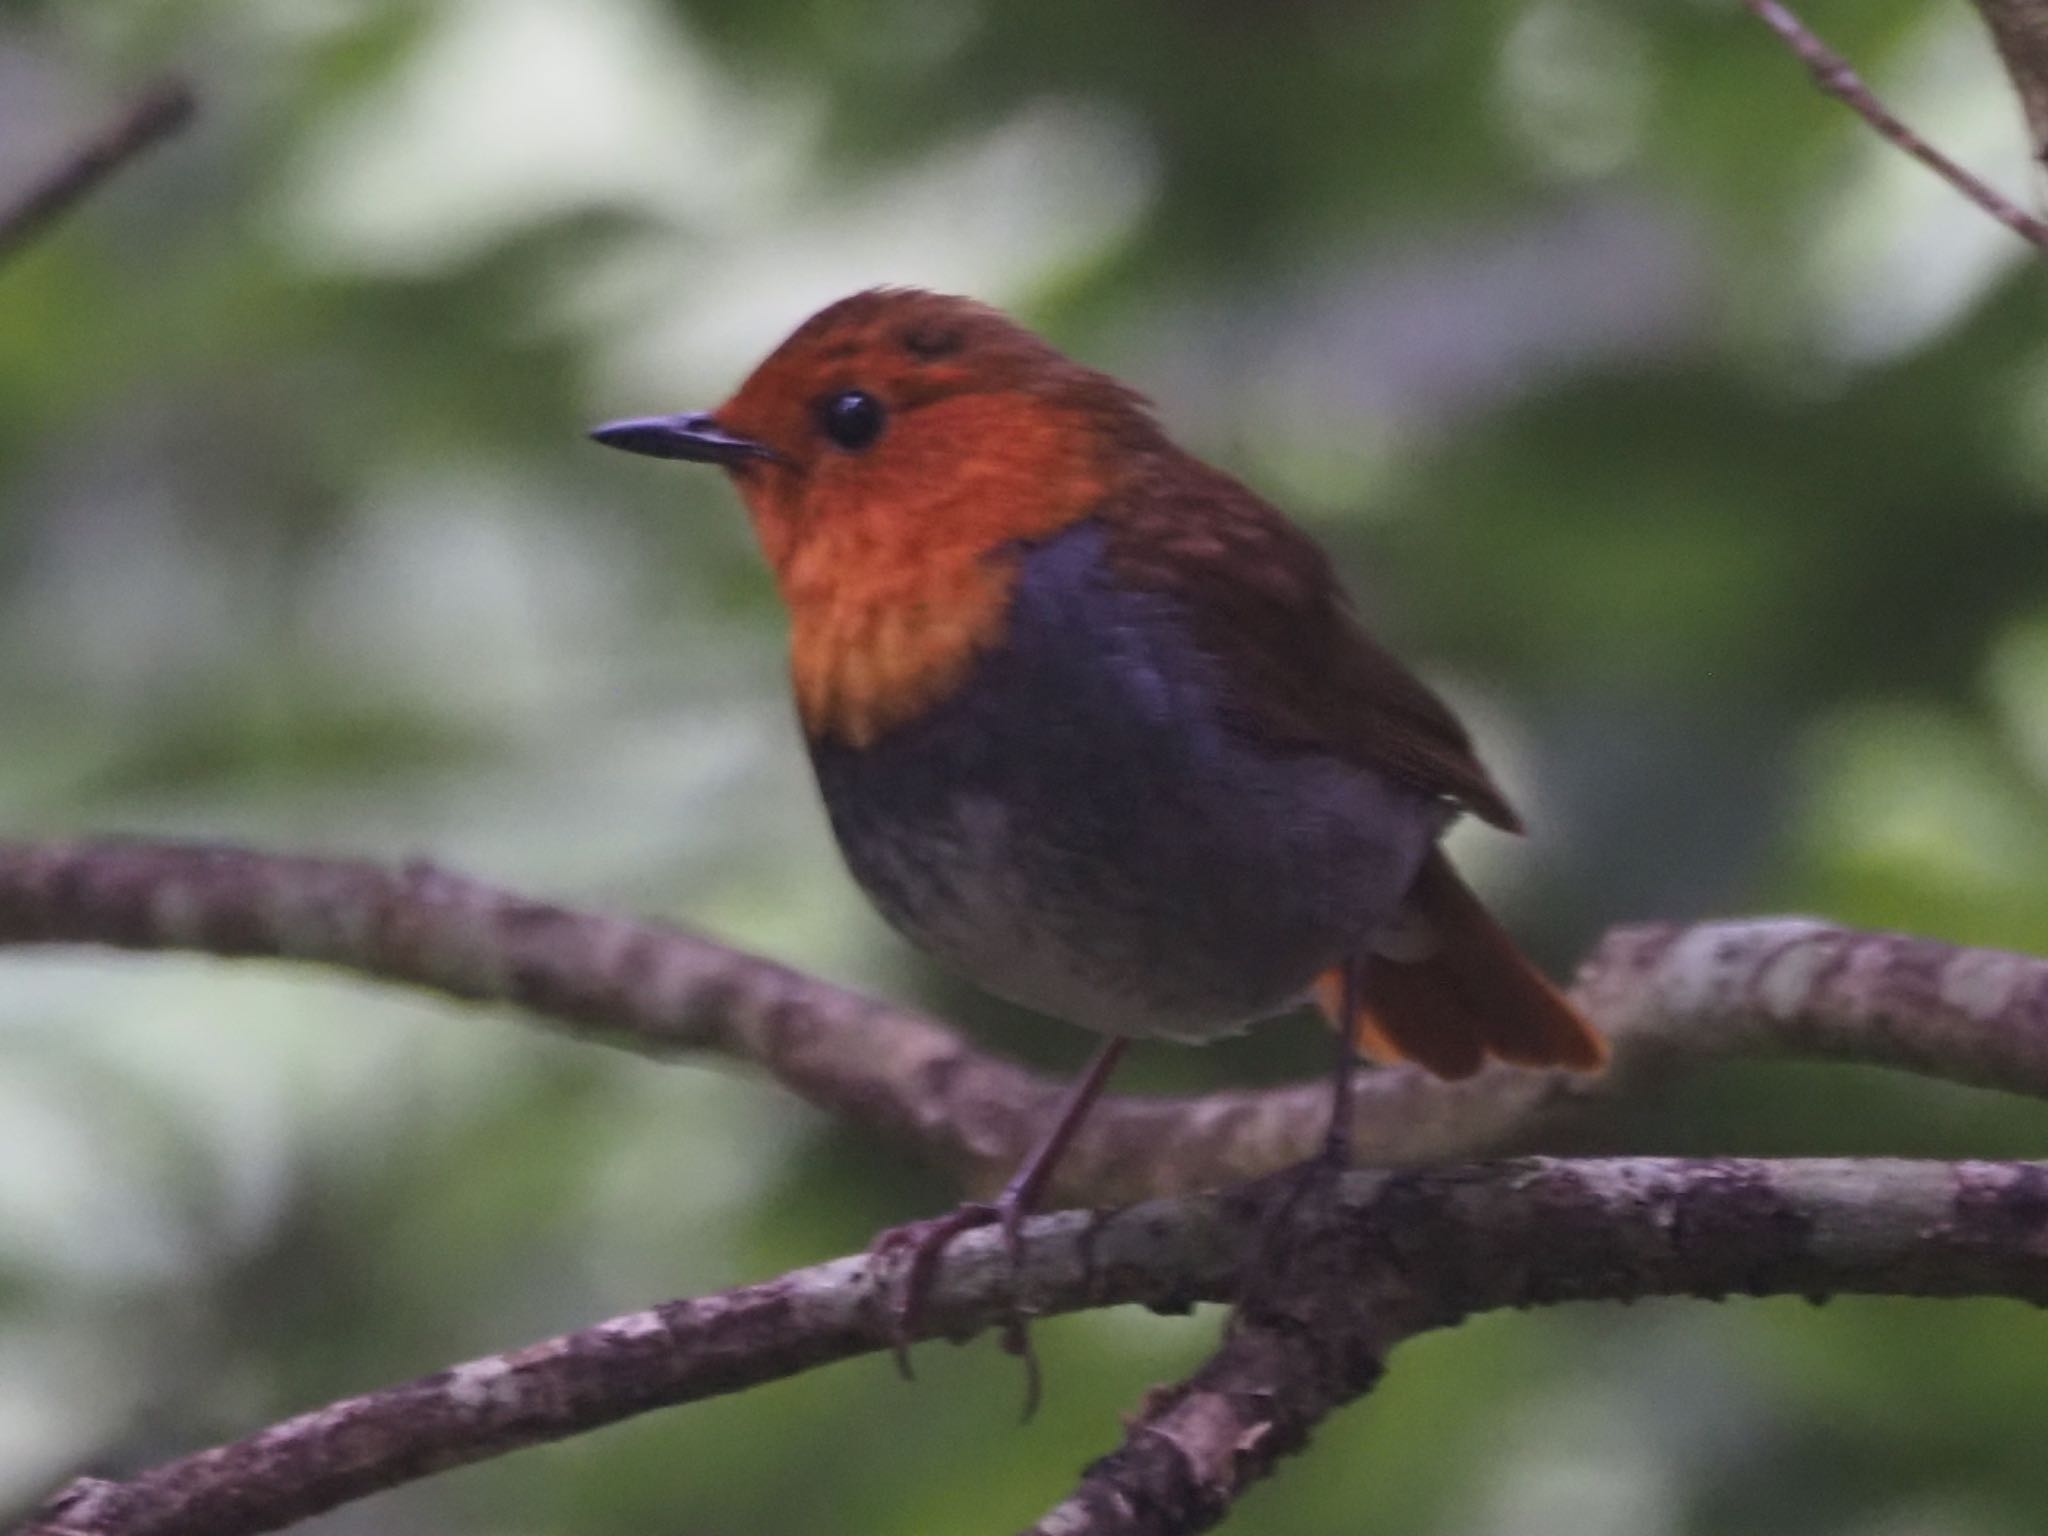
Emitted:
<point x="1790" y="986"/>
<point x="1669" y="997"/>
<point x="1403" y="1252"/>
<point x="153" y="117"/>
<point x="1832" y="73"/>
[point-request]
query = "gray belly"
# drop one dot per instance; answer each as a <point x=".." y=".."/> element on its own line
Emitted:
<point x="1077" y="831"/>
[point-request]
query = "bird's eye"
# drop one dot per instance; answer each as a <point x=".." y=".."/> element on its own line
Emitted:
<point x="852" y="420"/>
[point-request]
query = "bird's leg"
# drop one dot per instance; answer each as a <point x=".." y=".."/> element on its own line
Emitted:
<point x="1336" y="1153"/>
<point x="926" y="1241"/>
<point x="1314" y="1177"/>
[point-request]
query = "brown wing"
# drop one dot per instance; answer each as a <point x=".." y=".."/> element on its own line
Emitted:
<point x="1301" y="672"/>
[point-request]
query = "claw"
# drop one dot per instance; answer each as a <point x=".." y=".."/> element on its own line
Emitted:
<point x="1017" y="1330"/>
<point x="1308" y="1184"/>
<point x="1312" y="1181"/>
<point x="926" y="1243"/>
<point x="1017" y="1341"/>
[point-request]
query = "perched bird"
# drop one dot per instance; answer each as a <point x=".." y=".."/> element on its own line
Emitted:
<point x="1094" y="724"/>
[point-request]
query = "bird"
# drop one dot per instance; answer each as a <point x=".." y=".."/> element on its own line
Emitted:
<point x="1098" y="727"/>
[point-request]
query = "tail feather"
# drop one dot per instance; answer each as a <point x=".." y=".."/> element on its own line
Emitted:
<point x="1463" y="994"/>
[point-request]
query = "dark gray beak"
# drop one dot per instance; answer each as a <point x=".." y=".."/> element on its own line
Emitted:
<point x="697" y="438"/>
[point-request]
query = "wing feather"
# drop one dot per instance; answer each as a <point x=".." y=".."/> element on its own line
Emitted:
<point x="1300" y="671"/>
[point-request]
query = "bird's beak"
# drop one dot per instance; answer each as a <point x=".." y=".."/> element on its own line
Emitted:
<point x="698" y="438"/>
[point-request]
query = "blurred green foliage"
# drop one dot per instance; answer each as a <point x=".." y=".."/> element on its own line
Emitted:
<point x="1691" y="438"/>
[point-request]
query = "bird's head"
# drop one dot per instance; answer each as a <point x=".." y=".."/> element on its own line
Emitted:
<point x="897" y="454"/>
<point x="904" y="423"/>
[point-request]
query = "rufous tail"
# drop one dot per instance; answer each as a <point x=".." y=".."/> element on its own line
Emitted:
<point x="1455" y="990"/>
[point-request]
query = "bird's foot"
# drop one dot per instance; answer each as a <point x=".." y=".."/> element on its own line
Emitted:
<point x="1306" y="1197"/>
<point x="919" y="1245"/>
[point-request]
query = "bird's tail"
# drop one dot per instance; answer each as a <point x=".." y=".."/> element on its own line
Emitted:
<point x="1452" y="989"/>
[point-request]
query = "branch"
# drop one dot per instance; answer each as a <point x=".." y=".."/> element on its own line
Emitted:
<point x="1832" y="73"/>
<point x="1401" y="1253"/>
<point x="1669" y="997"/>
<point x="1419" y="1251"/>
<point x="153" y="117"/>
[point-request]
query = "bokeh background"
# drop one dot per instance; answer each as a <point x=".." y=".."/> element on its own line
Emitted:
<point x="1692" y="440"/>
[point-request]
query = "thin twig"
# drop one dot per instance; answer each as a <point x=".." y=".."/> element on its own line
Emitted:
<point x="153" y="117"/>
<point x="1396" y="1254"/>
<point x="1834" y="75"/>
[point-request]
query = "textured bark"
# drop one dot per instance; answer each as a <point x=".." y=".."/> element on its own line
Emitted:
<point x="1424" y="1250"/>
<point x="1669" y="997"/>
<point x="1398" y="1253"/>
<point x="1795" y="987"/>
<point x="1391" y="1255"/>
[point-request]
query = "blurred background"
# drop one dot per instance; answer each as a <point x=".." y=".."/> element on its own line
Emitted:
<point x="1691" y="439"/>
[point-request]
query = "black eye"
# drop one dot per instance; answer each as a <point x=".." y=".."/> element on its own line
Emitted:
<point x="852" y="420"/>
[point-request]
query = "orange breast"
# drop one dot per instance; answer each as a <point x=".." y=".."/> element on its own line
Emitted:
<point x="898" y="567"/>
<point x="880" y="645"/>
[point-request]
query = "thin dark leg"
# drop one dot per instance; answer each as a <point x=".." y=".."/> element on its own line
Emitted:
<point x="927" y="1240"/>
<point x="1313" y="1180"/>
<point x="1021" y="1195"/>
<point x="1343" y="1098"/>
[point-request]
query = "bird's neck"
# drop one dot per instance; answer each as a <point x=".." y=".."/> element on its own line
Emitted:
<point x="898" y="572"/>
<point x="888" y="613"/>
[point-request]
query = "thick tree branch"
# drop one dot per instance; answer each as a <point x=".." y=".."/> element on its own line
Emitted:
<point x="1833" y="74"/>
<point x="1668" y="996"/>
<point x="153" y="117"/>
<point x="1400" y="1253"/>
<point x="1426" y="1250"/>
<point x="1790" y="986"/>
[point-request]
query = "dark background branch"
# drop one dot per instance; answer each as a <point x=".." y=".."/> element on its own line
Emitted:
<point x="154" y="116"/>
<point x="1834" y="75"/>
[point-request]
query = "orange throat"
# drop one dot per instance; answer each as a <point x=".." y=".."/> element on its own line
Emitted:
<point x="873" y="647"/>
<point x="898" y="569"/>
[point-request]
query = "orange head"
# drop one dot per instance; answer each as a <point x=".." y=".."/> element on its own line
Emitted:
<point x="895" y="454"/>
